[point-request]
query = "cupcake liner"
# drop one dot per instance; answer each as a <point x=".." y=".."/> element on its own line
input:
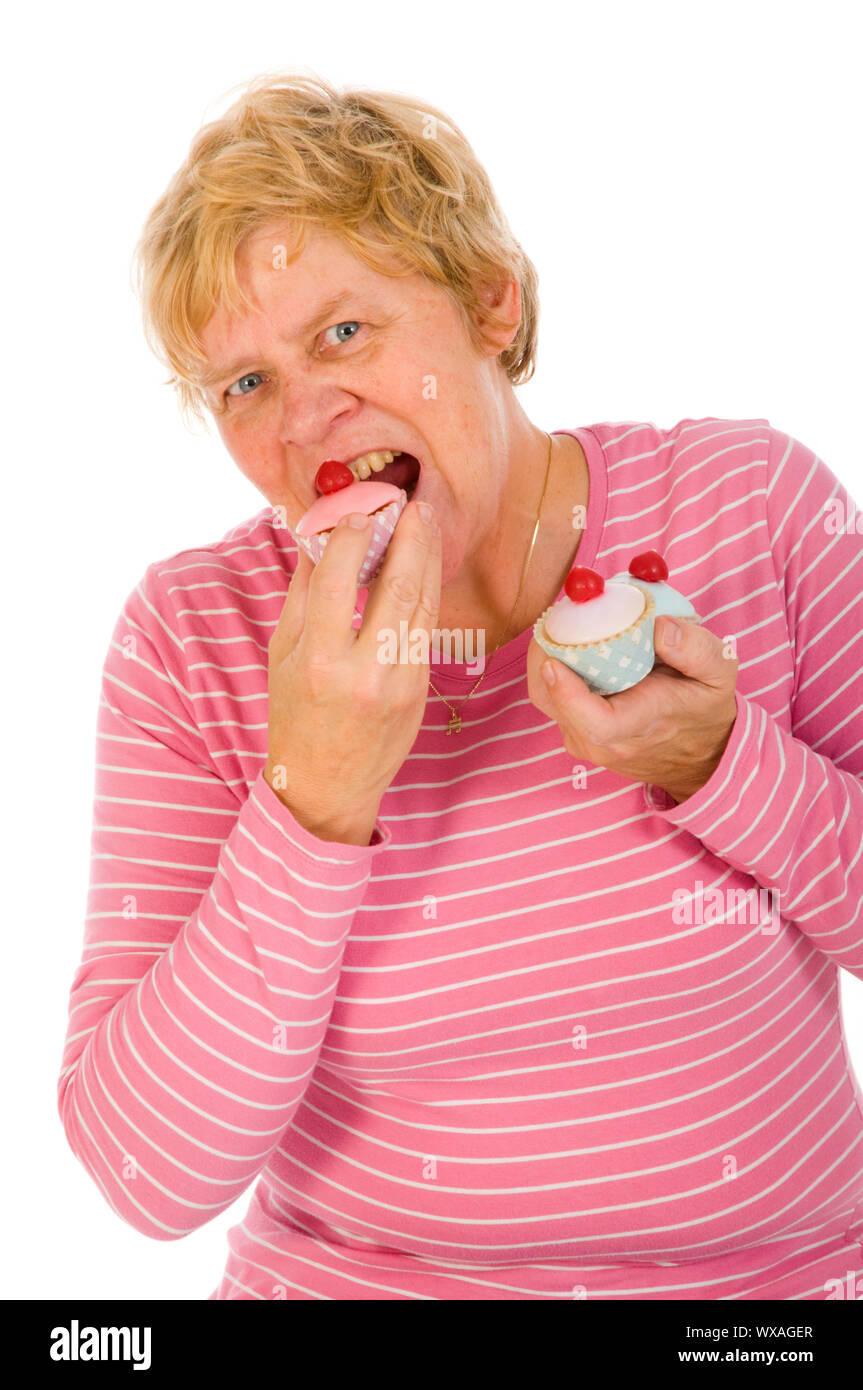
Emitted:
<point x="384" y="523"/>
<point x="612" y="663"/>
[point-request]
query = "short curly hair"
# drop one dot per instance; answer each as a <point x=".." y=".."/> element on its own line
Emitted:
<point x="349" y="162"/>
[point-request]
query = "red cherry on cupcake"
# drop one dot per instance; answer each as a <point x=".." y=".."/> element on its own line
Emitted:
<point x="583" y="584"/>
<point x="649" y="566"/>
<point x="332" y="476"/>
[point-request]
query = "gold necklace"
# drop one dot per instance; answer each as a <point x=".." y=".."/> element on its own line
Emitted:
<point x="454" y="726"/>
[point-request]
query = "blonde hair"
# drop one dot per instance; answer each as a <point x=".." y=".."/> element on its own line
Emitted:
<point x="349" y="162"/>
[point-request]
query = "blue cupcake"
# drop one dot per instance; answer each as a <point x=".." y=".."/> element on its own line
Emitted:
<point x="603" y="630"/>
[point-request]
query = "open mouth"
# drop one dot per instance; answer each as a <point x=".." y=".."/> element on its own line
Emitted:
<point x="393" y="466"/>
<point x="403" y="472"/>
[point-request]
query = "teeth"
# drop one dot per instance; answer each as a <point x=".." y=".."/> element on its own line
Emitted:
<point x="373" y="462"/>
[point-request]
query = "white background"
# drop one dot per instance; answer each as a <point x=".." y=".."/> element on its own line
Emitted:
<point x="685" y="177"/>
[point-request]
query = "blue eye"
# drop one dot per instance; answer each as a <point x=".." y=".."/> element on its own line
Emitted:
<point x="249" y="383"/>
<point x="254" y="377"/>
<point x="348" y="323"/>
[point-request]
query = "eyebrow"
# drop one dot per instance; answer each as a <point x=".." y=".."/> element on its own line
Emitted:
<point x="222" y="373"/>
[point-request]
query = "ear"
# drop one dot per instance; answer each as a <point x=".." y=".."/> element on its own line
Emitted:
<point x="499" y="326"/>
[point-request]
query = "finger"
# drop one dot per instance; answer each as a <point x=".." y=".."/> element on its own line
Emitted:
<point x="288" y="629"/>
<point x="397" y="592"/>
<point x="587" y="715"/>
<point x="698" y="653"/>
<point x="331" y="599"/>
<point x="427" y="611"/>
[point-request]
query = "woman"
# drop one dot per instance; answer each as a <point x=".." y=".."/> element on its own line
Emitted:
<point x="449" y="964"/>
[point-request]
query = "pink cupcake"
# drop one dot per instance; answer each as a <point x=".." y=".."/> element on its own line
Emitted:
<point x="383" y="502"/>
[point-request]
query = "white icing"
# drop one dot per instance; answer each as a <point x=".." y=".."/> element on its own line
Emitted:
<point x="616" y="608"/>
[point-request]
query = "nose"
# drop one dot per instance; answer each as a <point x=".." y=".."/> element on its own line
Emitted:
<point x="311" y="413"/>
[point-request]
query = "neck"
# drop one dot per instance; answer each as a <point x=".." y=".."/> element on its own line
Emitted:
<point x="481" y="595"/>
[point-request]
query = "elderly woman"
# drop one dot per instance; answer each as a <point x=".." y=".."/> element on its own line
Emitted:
<point x="443" y="958"/>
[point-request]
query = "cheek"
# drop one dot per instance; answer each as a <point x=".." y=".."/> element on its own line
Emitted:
<point x="256" y="452"/>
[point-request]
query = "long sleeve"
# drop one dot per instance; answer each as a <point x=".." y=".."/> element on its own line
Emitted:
<point x="214" y="937"/>
<point x="787" y="807"/>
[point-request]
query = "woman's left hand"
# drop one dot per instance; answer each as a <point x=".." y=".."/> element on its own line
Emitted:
<point x="670" y="729"/>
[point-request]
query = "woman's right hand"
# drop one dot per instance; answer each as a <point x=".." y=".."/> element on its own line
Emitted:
<point x="342" y="722"/>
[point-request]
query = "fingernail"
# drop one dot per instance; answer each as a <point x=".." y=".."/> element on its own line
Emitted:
<point x="548" y="673"/>
<point x="425" y="512"/>
<point x="670" y="632"/>
<point x="358" y="521"/>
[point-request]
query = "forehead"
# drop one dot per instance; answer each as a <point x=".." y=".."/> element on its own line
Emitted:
<point x="273" y="253"/>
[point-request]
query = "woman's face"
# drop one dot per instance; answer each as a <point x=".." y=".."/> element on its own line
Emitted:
<point x="304" y="378"/>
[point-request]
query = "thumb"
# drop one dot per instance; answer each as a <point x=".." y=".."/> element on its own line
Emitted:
<point x="696" y="652"/>
<point x="289" y="628"/>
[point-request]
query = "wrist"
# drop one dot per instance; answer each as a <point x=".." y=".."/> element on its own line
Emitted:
<point x="350" y="825"/>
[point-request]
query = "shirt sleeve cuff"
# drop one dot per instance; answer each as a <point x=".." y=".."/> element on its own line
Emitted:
<point x="303" y="840"/>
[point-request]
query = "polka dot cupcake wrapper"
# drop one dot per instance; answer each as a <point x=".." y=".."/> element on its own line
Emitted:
<point x="384" y="523"/>
<point x="612" y="663"/>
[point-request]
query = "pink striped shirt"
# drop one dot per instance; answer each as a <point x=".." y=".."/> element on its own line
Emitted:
<point x="512" y="1048"/>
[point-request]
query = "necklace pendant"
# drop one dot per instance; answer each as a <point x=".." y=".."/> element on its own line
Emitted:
<point x="454" y="726"/>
